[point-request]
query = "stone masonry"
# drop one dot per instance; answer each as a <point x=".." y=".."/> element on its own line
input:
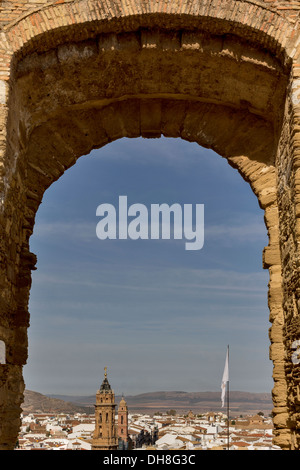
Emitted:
<point x="77" y="74"/>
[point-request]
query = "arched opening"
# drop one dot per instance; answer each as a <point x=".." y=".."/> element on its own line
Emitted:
<point x="159" y="315"/>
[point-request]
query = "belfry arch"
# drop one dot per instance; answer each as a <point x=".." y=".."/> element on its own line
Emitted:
<point x="79" y="74"/>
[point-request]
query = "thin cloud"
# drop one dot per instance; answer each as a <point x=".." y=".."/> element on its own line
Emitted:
<point x="64" y="231"/>
<point x="248" y="232"/>
<point x="85" y="232"/>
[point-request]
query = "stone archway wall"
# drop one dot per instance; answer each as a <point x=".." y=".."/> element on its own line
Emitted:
<point x="75" y="75"/>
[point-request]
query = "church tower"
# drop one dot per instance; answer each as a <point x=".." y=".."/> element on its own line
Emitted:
<point x="123" y="421"/>
<point x="105" y="434"/>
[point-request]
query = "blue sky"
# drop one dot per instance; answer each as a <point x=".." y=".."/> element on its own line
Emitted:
<point x="158" y="316"/>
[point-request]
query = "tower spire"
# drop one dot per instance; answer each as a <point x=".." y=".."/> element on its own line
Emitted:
<point x="105" y="434"/>
<point x="105" y="384"/>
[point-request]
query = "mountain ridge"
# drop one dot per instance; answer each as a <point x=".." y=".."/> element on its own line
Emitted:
<point x="178" y="395"/>
<point x="150" y="402"/>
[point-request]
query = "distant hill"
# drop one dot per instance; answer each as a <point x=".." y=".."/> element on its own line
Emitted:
<point x="240" y="402"/>
<point x="36" y="402"/>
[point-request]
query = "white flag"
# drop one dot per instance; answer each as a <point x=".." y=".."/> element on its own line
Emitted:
<point x="225" y="378"/>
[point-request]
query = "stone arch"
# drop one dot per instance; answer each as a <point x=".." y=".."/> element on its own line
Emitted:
<point x="257" y="20"/>
<point x="86" y="73"/>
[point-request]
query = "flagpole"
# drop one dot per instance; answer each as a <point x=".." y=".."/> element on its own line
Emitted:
<point x="228" y="405"/>
<point x="224" y="388"/>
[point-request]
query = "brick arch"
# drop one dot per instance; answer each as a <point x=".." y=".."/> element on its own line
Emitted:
<point x="258" y="21"/>
<point x="87" y="75"/>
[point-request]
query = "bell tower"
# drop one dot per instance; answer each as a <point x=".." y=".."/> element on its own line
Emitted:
<point x="105" y="434"/>
<point x="123" y="421"/>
